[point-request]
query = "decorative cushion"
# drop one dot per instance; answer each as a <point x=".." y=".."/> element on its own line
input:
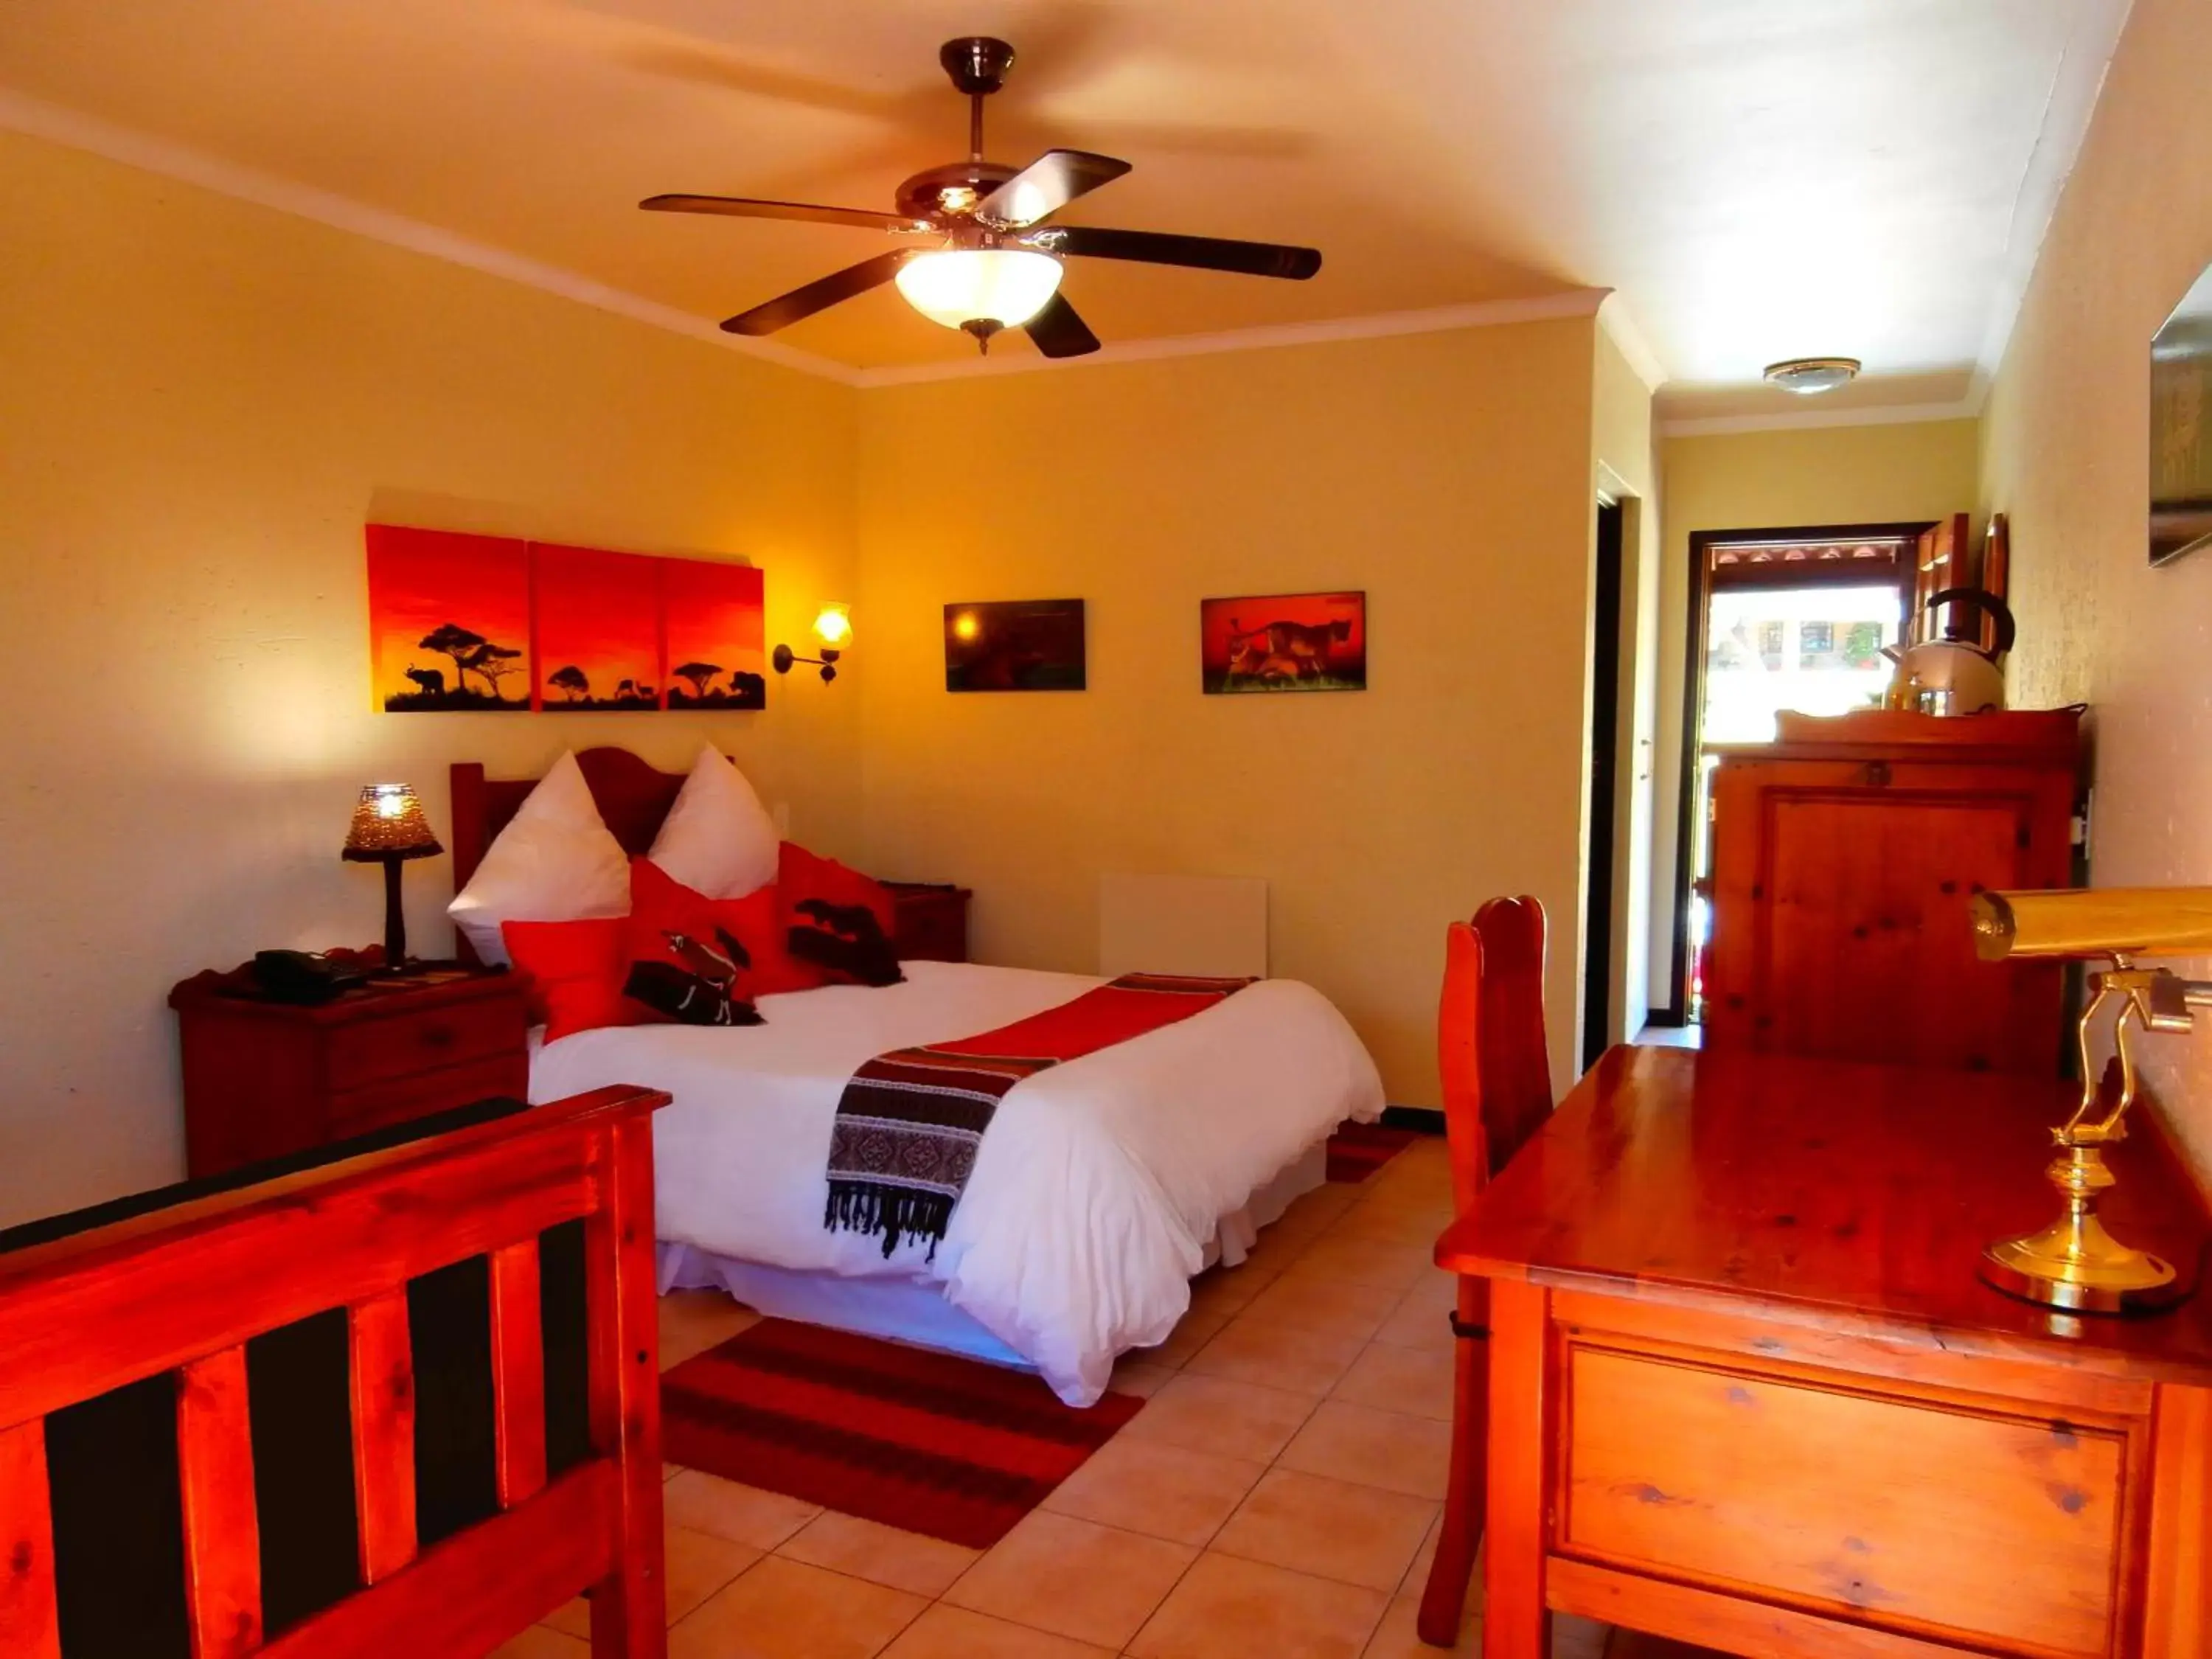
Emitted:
<point x="555" y="861"/>
<point x="836" y="920"/>
<point x="683" y="959"/>
<point x="717" y="839"/>
<point x="573" y="972"/>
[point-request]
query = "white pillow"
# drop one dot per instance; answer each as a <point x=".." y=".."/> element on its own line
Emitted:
<point x="718" y="839"/>
<point x="556" y="861"/>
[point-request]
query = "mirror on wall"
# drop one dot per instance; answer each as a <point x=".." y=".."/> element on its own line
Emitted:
<point x="2181" y="426"/>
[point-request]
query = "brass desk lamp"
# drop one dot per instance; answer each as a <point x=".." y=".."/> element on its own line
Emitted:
<point x="2074" y="1263"/>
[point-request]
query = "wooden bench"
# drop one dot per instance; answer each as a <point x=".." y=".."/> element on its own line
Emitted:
<point x="182" y="1289"/>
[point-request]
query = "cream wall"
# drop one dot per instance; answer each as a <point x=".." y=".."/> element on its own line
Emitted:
<point x="201" y="403"/>
<point x="1448" y="475"/>
<point x="1778" y="479"/>
<point x="2065" y="455"/>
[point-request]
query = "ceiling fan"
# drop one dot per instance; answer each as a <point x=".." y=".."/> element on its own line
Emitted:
<point x="991" y="261"/>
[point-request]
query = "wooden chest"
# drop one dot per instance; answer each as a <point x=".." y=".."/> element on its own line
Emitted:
<point x="1845" y="858"/>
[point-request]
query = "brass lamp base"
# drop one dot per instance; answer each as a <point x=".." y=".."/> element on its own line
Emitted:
<point x="2074" y="1264"/>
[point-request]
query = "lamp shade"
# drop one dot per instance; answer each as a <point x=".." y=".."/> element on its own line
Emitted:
<point x="833" y="625"/>
<point x="999" y="285"/>
<point x="388" y="824"/>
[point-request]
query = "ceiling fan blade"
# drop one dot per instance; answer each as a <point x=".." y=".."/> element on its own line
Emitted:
<point x="1059" y="332"/>
<point x="1047" y="185"/>
<point x="744" y="207"/>
<point x="803" y="302"/>
<point x="1201" y="252"/>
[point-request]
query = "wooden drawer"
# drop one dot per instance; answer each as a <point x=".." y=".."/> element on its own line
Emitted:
<point x="366" y="1051"/>
<point x="356" y="1111"/>
<point x="1929" y="1516"/>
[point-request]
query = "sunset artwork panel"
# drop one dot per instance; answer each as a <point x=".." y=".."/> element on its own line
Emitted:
<point x="448" y="621"/>
<point x="599" y="632"/>
<point x="717" y="635"/>
<point x="1284" y="642"/>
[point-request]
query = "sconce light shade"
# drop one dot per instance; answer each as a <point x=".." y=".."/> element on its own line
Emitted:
<point x="834" y="626"/>
<point x="388" y="824"/>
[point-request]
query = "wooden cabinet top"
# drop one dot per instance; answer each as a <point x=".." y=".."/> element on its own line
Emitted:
<point x="2033" y="736"/>
<point x="439" y="985"/>
<point x="1847" y="1196"/>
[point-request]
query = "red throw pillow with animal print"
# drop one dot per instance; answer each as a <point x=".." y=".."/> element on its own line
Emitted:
<point x="572" y="972"/>
<point x="688" y="955"/>
<point x="837" y="923"/>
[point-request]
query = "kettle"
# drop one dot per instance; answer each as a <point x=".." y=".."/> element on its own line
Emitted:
<point x="1952" y="677"/>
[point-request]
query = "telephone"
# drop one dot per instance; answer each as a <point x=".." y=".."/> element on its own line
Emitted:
<point x="298" y="976"/>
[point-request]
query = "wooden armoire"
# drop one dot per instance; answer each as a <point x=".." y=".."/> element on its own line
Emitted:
<point x="1845" y="856"/>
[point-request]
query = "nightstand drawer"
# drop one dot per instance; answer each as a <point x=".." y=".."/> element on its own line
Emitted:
<point x="366" y="1051"/>
<point x="932" y="923"/>
<point x="356" y="1111"/>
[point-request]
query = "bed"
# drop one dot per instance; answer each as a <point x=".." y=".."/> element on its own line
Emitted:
<point x="1101" y="1186"/>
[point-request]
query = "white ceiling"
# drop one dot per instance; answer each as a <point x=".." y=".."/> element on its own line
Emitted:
<point x="1756" y="179"/>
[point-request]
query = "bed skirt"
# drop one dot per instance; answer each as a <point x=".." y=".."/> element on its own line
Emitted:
<point x="915" y="1311"/>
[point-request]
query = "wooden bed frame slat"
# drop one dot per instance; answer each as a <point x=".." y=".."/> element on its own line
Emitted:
<point x="29" y="1622"/>
<point x="517" y="1373"/>
<point x="223" y="1532"/>
<point x="182" y="1289"/>
<point x="381" y="1364"/>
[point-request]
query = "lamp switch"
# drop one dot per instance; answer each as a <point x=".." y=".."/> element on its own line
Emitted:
<point x="781" y="813"/>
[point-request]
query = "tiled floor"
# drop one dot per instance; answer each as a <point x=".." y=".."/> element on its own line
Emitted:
<point x="1278" y="1494"/>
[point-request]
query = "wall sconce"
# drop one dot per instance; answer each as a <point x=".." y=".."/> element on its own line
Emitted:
<point x="2075" y="1262"/>
<point x="833" y="626"/>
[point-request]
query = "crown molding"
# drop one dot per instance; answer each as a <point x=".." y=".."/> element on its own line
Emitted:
<point x="39" y="119"/>
<point x="1615" y="317"/>
<point x="1488" y="314"/>
<point x="1966" y="409"/>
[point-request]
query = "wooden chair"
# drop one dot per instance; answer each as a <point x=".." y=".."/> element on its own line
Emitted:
<point x="1496" y="1093"/>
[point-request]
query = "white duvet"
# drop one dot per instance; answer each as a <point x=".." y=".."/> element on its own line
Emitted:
<point x="1097" y="1184"/>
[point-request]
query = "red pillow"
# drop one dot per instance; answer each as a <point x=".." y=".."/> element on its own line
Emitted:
<point x="573" y="972"/>
<point x="719" y="935"/>
<point x="837" y="922"/>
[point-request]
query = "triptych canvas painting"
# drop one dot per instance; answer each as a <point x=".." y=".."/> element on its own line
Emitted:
<point x="486" y="623"/>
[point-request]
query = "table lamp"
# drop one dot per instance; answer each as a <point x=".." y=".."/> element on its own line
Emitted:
<point x="389" y="829"/>
<point x="2075" y="1263"/>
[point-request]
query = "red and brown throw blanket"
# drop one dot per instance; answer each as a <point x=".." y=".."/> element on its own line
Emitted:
<point x="909" y="1121"/>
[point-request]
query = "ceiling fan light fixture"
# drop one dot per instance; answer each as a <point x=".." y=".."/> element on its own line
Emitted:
<point x="1806" y="375"/>
<point x="993" y="287"/>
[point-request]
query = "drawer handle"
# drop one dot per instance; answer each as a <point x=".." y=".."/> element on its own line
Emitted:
<point x="437" y="1036"/>
<point x="1877" y="774"/>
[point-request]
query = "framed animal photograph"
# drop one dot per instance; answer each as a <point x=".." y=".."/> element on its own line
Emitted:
<point x="448" y="621"/>
<point x="1015" y="644"/>
<point x="1284" y="642"/>
<point x="598" y="628"/>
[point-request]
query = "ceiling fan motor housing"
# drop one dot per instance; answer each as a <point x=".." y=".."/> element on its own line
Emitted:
<point x="977" y="64"/>
<point x="956" y="187"/>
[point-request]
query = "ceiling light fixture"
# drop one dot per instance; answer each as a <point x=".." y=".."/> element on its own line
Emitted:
<point x="1806" y="375"/>
<point x="979" y="290"/>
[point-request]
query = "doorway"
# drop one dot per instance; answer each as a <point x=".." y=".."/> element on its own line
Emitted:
<point x="1780" y="620"/>
<point x="1604" y="768"/>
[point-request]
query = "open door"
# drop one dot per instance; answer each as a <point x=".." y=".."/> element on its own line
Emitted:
<point x="1944" y="562"/>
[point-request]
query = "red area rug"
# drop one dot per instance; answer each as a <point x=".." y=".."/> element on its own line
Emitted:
<point x="928" y="1441"/>
<point x="1357" y="1151"/>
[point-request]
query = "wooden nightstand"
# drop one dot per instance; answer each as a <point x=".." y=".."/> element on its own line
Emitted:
<point x="932" y="921"/>
<point x="263" y="1078"/>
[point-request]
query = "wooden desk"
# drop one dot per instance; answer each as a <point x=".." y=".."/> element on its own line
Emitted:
<point x="1747" y="1391"/>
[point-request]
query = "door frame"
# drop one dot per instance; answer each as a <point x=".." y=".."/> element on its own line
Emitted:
<point x="1601" y="818"/>
<point x="1702" y="541"/>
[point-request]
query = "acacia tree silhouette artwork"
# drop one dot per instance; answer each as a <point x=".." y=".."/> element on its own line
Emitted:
<point x="571" y="682"/>
<point x="471" y="655"/>
<point x="698" y="673"/>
